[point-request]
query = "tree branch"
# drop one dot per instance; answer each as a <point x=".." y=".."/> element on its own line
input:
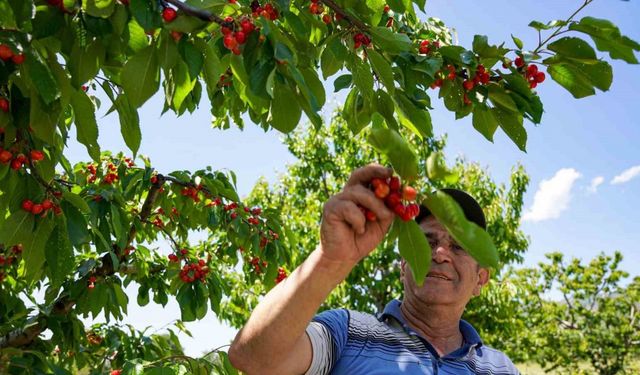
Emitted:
<point x="359" y="24"/>
<point x="197" y="13"/>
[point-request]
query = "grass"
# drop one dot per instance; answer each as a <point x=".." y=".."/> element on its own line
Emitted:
<point x="535" y="369"/>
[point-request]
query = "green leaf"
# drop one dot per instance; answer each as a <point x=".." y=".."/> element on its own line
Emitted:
<point x="41" y="77"/>
<point x="333" y="56"/>
<point x="99" y="8"/>
<point x="167" y="52"/>
<point x="85" y="63"/>
<point x="414" y="248"/>
<point x="285" y="111"/>
<point x="608" y="38"/>
<point x="475" y="240"/>
<point x="59" y="254"/>
<point x="17" y="229"/>
<point x="402" y="157"/>
<point x="413" y="118"/>
<point x="34" y="250"/>
<point x="85" y="120"/>
<point x="541" y="26"/>
<point x="483" y="49"/>
<point x="383" y="70"/>
<point x="436" y="166"/>
<point x="140" y="76"/>
<point x="77" y="228"/>
<point x="517" y="42"/>
<point x="511" y="123"/>
<point x="500" y="97"/>
<point x="579" y="79"/>
<point x="458" y="55"/>
<point x="146" y="14"/>
<point x="129" y="124"/>
<point x="184" y="83"/>
<point x="362" y="77"/>
<point x="185" y="300"/>
<point x="76" y="200"/>
<point x="574" y="49"/>
<point x="484" y="121"/>
<point x="342" y="82"/>
<point x="390" y="41"/>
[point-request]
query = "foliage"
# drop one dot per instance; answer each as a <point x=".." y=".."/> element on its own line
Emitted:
<point x="325" y="158"/>
<point x="81" y="233"/>
<point x="596" y="320"/>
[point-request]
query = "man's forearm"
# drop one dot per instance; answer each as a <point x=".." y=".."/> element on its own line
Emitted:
<point x="281" y="318"/>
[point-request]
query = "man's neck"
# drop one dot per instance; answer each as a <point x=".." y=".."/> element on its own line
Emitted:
<point x="437" y="324"/>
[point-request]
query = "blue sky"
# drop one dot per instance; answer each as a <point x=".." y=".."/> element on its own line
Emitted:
<point x="577" y="142"/>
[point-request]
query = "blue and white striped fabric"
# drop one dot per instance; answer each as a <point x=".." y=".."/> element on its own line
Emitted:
<point x="347" y="342"/>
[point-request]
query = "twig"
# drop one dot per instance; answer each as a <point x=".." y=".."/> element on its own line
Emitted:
<point x="195" y="12"/>
<point x="557" y="31"/>
<point x="359" y="24"/>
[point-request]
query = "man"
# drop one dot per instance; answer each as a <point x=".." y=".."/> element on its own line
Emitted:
<point x="423" y="334"/>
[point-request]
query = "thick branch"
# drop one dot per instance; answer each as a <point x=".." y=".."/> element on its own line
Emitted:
<point x="195" y="12"/>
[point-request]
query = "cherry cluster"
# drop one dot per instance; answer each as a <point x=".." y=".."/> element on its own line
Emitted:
<point x="232" y="40"/>
<point x="8" y="258"/>
<point x="111" y="175"/>
<point x="317" y="8"/>
<point x="6" y="54"/>
<point x="20" y="159"/>
<point x="282" y="274"/>
<point x="426" y="47"/>
<point x="361" y="40"/>
<point x="393" y="193"/>
<point x="531" y="72"/>
<point x="191" y="192"/>
<point x="193" y="271"/>
<point x="40" y="208"/>
<point x="267" y="11"/>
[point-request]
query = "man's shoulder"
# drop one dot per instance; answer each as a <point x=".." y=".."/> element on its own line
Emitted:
<point x="494" y="360"/>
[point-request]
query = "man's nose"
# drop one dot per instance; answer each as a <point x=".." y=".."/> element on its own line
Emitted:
<point x="441" y="253"/>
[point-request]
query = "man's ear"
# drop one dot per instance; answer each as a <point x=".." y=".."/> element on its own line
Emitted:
<point x="483" y="279"/>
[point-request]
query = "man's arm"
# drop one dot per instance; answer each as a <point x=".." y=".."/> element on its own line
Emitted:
<point x="274" y="341"/>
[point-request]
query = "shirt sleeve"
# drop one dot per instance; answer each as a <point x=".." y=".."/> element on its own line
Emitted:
<point x="328" y="333"/>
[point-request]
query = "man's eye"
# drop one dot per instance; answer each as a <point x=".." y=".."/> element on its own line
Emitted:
<point x="457" y="248"/>
<point x="433" y="243"/>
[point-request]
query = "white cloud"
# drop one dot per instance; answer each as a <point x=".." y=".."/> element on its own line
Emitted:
<point x="553" y="196"/>
<point x="594" y="184"/>
<point x="626" y="175"/>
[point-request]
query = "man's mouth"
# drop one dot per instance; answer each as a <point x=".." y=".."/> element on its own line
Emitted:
<point x="438" y="276"/>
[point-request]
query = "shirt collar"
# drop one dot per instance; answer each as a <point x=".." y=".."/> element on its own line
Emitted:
<point x="470" y="335"/>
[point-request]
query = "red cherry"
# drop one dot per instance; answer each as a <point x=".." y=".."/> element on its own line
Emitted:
<point x="382" y="191"/>
<point x="47" y="204"/>
<point x="519" y="62"/>
<point x="241" y="37"/>
<point x="27" y="205"/>
<point x="386" y="9"/>
<point x="424" y="50"/>
<point x="5" y="156"/>
<point x="16" y="164"/>
<point x="532" y="69"/>
<point x="468" y="84"/>
<point x="4" y="105"/>
<point x="370" y="215"/>
<point x="169" y="14"/>
<point x="36" y="209"/>
<point x="36" y="155"/>
<point x="451" y="76"/>
<point x="5" y="52"/>
<point x="409" y="193"/>
<point x="236" y="51"/>
<point x="394" y="183"/>
<point x="399" y="209"/>
<point x="18" y="59"/>
<point x="375" y="182"/>
<point x="247" y="26"/>
<point x="326" y="19"/>
<point x="230" y="41"/>
<point x="393" y="200"/>
<point x="540" y="77"/>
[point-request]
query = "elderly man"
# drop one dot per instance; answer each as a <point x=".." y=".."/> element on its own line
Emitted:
<point x="422" y="334"/>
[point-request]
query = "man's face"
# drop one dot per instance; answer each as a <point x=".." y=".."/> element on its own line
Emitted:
<point x="454" y="276"/>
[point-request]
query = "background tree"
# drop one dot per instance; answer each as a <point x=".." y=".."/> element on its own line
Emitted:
<point x="82" y="232"/>
<point x="595" y="321"/>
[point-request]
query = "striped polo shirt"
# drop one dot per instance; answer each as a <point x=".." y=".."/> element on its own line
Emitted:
<point x="354" y="343"/>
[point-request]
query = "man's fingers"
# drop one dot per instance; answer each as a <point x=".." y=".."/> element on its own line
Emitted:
<point x="351" y="213"/>
<point x="366" y="198"/>
<point x="363" y="175"/>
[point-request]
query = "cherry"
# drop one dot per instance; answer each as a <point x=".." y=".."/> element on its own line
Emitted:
<point x="169" y="14"/>
<point x="230" y="41"/>
<point x="18" y="59"/>
<point x="282" y="274"/>
<point x="326" y="19"/>
<point x="540" y="77"/>
<point x="519" y="62"/>
<point x="409" y="193"/>
<point x="370" y="215"/>
<point x="382" y="191"/>
<point x="173" y="258"/>
<point x="36" y="155"/>
<point x="394" y="183"/>
<point x="241" y="37"/>
<point x="36" y="209"/>
<point x="27" y="205"/>
<point x="468" y="84"/>
<point x="386" y="9"/>
<point x="4" y="105"/>
<point x="5" y="52"/>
